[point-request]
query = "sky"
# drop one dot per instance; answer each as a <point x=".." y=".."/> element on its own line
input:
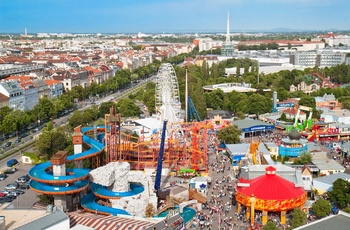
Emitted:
<point x="171" y="16"/>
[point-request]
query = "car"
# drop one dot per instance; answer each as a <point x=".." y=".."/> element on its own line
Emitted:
<point x="10" y="198"/>
<point x="22" y="179"/>
<point x="3" y="176"/>
<point x="18" y="140"/>
<point x="8" y="144"/>
<point x="23" y="135"/>
<point x="18" y="191"/>
<point x="23" y="186"/>
<point x="4" y="191"/>
<point x="8" y="171"/>
<point x="25" y="177"/>
<point x="13" y="194"/>
<point x="2" y="194"/>
<point x="12" y="162"/>
<point x="11" y="186"/>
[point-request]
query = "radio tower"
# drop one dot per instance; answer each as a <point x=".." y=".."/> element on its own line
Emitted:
<point x="227" y="48"/>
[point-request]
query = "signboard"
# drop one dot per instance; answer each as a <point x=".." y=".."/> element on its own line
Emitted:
<point x="258" y="128"/>
<point x="285" y="105"/>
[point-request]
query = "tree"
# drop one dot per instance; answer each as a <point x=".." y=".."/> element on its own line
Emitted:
<point x="345" y="105"/>
<point x="321" y="208"/>
<point x="258" y="104"/>
<point x="128" y="108"/>
<point x="240" y="115"/>
<point x="299" y="218"/>
<point x="238" y="70"/>
<point x="346" y="210"/>
<point x="283" y="117"/>
<point x="308" y="101"/>
<point x="105" y="108"/>
<point x="304" y="158"/>
<point x="340" y="193"/>
<point x="270" y="225"/>
<point x="230" y="135"/>
<point x="51" y="141"/>
<point x="150" y="210"/>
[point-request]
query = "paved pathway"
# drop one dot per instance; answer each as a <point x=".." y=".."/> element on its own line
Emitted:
<point x="219" y="212"/>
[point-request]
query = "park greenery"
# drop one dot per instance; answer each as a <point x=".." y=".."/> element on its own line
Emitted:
<point x="270" y="225"/>
<point x="229" y="135"/>
<point x="321" y="208"/>
<point x="340" y="193"/>
<point x="298" y="218"/>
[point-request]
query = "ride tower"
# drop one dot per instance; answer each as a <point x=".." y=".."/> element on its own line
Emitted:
<point x="78" y="144"/>
<point x="58" y="161"/>
<point x="113" y="136"/>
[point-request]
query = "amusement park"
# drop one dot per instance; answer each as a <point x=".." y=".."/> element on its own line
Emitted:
<point x="127" y="171"/>
<point x="179" y="175"/>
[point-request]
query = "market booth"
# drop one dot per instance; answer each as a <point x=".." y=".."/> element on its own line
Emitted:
<point x="269" y="193"/>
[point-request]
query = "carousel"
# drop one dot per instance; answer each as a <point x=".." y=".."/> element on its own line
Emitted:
<point x="269" y="193"/>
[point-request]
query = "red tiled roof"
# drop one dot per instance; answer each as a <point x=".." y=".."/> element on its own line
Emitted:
<point x="89" y="68"/>
<point x="20" y="78"/>
<point x="26" y="84"/>
<point x="293" y="111"/>
<point x="52" y="82"/>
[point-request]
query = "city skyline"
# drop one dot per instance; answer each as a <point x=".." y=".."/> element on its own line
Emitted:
<point x="180" y="16"/>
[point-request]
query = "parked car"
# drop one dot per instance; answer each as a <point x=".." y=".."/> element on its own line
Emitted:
<point x="10" y="198"/>
<point x="18" y="191"/>
<point x="8" y="144"/>
<point x="23" y="186"/>
<point x="10" y="171"/>
<point x="4" y="191"/>
<point x="2" y="194"/>
<point x="11" y="186"/>
<point x="18" y="140"/>
<point x="13" y="194"/>
<point x="12" y="162"/>
<point x="22" y="180"/>
<point x="3" y="176"/>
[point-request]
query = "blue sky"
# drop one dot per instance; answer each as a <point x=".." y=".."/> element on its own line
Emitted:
<point x="170" y="16"/>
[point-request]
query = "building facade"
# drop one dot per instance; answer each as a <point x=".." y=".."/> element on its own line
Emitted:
<point x="15" y="92"/>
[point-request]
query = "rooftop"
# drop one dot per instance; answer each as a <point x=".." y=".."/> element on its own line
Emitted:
<point x="339" y="222"/>
<point x="45" y="222"/>
<point x="333" y="177"/>
<point x="246" y="123"/>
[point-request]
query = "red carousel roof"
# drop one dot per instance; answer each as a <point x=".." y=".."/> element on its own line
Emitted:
<point x="270" y="187"/>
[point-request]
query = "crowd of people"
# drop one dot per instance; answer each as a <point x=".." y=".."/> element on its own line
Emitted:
<point x="219" y="211"/>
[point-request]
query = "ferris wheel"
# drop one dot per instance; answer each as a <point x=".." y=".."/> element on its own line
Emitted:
<point x="168" y="105"/>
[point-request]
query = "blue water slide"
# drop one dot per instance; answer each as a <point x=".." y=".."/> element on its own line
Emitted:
<point x="88" y="202"/>
<point x="104" y="192"/>
<point x="57" y="189"/>
<point x="45" y="182"/>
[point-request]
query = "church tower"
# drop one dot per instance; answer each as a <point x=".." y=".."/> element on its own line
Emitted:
<point x="227" y="48"/>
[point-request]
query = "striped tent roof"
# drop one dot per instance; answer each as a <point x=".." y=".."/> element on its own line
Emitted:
<point x="107" y="222"/>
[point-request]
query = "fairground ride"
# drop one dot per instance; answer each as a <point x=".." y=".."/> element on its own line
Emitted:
<point x="186" y="144"/>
